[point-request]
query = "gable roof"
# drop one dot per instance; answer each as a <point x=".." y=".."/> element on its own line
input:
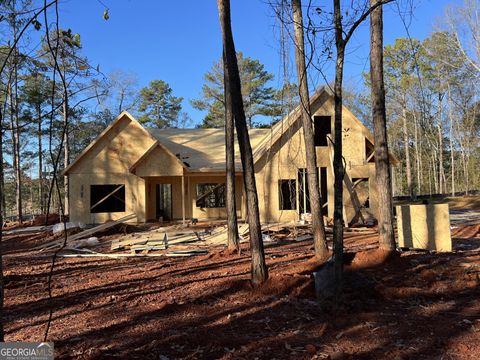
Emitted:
<point x="281" y="127"/>
<point x="113" y="124"/>
<point x="155" y="145"/>
<point x="203" y="150"/>
<point x="318" y="98"/>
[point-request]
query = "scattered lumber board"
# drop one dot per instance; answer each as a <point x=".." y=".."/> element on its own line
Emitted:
<point x="187" y="252"/>
<point x="101" y="227"/>
<point x="141" y="239"/>
<point x="86" y="233"/>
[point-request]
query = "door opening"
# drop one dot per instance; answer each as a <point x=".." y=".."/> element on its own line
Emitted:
<point x="304" y="194"/>
<point x="164" y="201"/>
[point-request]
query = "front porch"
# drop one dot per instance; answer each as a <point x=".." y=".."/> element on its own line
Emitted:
<point x="191" y="195"/>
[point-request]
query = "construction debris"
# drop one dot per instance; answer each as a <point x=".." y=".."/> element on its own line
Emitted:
<point x="86" y="233"/>
<point x="61" y="227"/>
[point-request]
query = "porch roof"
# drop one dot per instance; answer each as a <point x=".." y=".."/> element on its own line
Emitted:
<point x="203" y="149"/>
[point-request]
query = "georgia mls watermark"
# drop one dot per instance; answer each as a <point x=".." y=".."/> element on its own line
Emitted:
<point x="26" y="351"/>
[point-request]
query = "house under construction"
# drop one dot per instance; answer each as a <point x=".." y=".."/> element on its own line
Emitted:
<point x="178" y="174"/>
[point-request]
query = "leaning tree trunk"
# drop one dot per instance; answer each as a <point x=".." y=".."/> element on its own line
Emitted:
<point x="259" y="270"/>
<point x="66" y="159"/>
<point x="339" y="170"/>
<point x="232" y="225"/>
<point x="382" y="161"/>
<point x="318" y="228"/>
<point x="2" y="339"/>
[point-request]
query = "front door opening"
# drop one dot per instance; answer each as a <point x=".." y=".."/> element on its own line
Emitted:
<point x="164" y="201"/>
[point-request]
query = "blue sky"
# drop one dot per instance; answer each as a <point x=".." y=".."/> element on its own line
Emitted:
<point x="177" y="41"/>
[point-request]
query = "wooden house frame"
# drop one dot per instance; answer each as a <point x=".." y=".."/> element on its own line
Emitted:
<point x="176" y="174"/>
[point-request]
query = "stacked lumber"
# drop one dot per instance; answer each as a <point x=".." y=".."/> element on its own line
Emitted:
<point x="152" y="241"/>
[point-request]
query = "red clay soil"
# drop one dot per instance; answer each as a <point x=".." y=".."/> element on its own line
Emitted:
<point x="418" y="305"/>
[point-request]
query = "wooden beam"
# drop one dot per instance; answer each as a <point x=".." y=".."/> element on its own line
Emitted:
<point x="370" y="157"/>
<point x="304" y="184"/>
<point x="85" y="233"/>
<point x="189" y="197"/>
<point x="183" y="199"/>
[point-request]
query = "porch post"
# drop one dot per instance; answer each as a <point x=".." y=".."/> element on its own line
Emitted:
<point x="189" y="198"/>
<point x="183" y="198"/>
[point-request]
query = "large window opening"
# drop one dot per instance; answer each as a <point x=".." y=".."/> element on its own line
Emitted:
<point x="287" y="194"/>
<point x="210" y="196"/>
<point x="107" y="198"/>
<point x="323" y="127"/>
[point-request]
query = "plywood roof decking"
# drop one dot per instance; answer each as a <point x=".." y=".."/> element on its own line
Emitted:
<point x="203" y="149"/>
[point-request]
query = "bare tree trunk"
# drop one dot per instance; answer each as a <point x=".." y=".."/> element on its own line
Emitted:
<point x="418" y="155"/>
<point x="40" y="162"/>
<point x="452" y="159"/>
<point x="441" y="171"/>
<point x="429" y="180"/>
<point x="382" y="161"/>
<point x="467" y="173"/>
<point x="407" y="151"/>
<point x="2" y="337"/>
<point x="338" y="167"/>
<point x="66" y="144"/>
<point x="318" y="227"/>
<point x="232" y="224"/>
<point x="435" y="172"/>
<point x="259" y="269"/>
<point x="14" y="121"/>
<point x="452" y="151"/>
<point x="15" y="130"/>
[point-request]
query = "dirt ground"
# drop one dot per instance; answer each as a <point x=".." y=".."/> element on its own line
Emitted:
<point x="418" y="305"/>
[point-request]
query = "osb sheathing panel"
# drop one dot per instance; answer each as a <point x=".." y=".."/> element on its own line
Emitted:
<point x="159" y="163"/>
<point x="287" y="155"/>
<point x="213" y="213"/>
<point x="117" y="151"/>
<point x="424" y="227"/>
<point x="80" y="196"/>
<point x="108" y="162"/>
<point x="203" y="149"/>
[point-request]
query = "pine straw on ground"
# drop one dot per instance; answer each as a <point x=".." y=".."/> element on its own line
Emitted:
<point x="418" y="305"/>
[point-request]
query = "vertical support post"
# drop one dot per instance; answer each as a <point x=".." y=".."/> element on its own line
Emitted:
<point x="189" y="198"/>
<point x="183" y="198"/>
<point x="304" y="184"/>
